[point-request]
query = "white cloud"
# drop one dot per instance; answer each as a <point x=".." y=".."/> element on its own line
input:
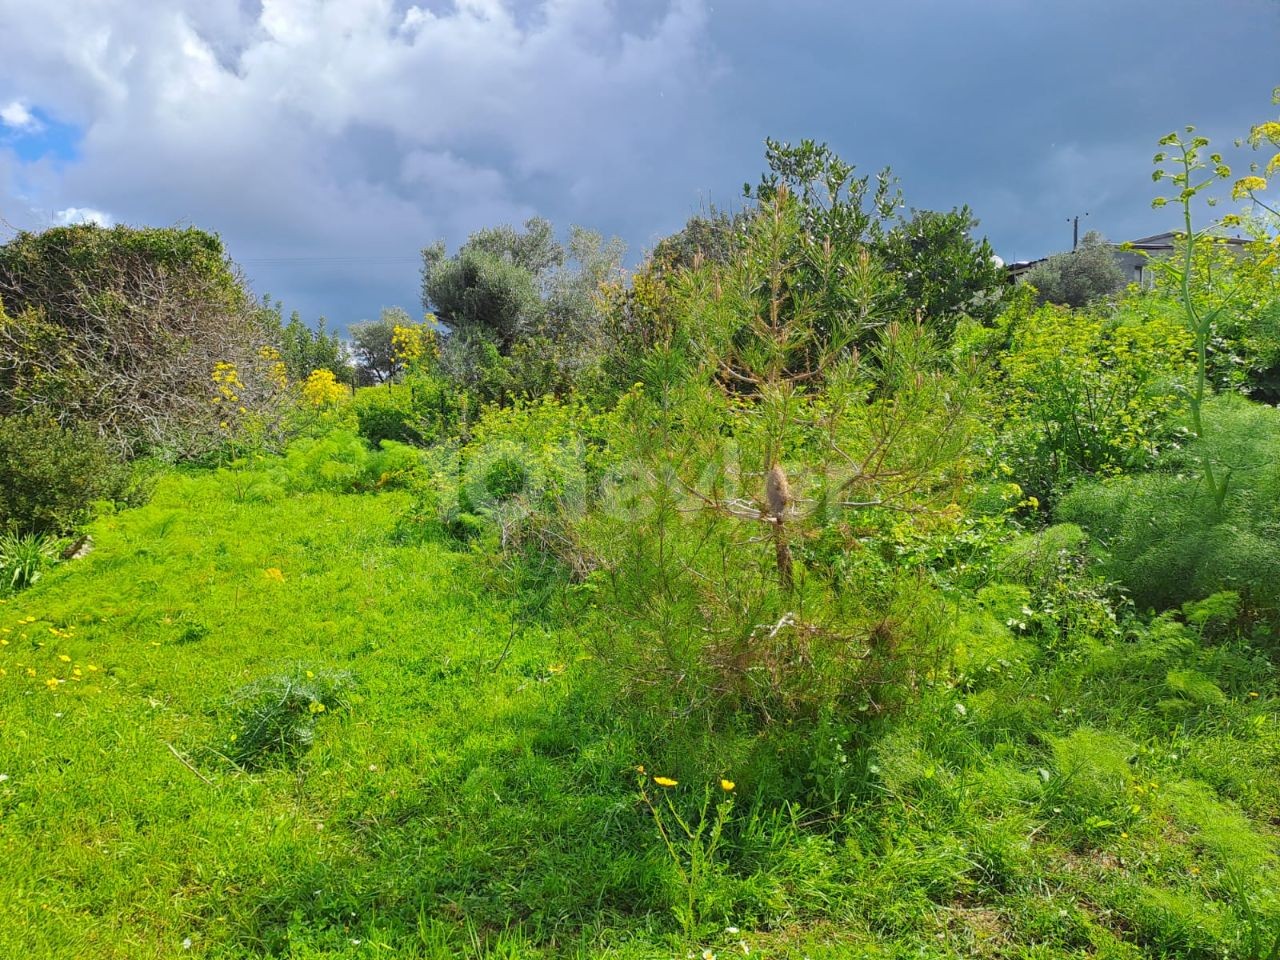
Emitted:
<point x="83" y="215"/>
<point x="15" y="114"/>
<point x="361" y="128"/>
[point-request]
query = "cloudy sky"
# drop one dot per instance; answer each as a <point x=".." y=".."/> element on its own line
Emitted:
<point x="329" y="140"/>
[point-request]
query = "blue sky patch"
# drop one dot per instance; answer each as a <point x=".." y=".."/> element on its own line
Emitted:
<point x="43" y="138"/>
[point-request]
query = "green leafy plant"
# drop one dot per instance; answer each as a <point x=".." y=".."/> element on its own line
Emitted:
<point x="1170" y="538"/>
<point x="1088" y="395"/>
<point x="25" y="557"/>
<point x="1079" y="277"/>
<point x="51" y="476"/>
<point x="275" y="719"/>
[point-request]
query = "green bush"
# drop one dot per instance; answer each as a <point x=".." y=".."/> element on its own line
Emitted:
<point x="51" y="476"/>
<point x="1166" y="536"/>
<point x="384" y="413"/>
<point x="275" y="719"/>
<point x="1081" y="276"/>
<point x="1086" y="395"/>
<point x="341" y="462"/>
<point x="419" y="410"/>
<point x="124" y="328"/>
<point x="24" y="557"/>
<point x="524" y="470"/>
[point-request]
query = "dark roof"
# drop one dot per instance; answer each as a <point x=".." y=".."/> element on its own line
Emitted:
<point x="1165" y="241"/>
<point x="1154" y="243"/>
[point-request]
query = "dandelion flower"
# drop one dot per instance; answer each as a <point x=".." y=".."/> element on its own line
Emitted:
<point x="64" y="658"/>
<point x="727" y="785"/>
<point x="665" y="781"/>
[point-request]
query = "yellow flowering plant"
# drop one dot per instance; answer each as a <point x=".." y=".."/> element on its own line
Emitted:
<point x="1183" y="162"/>
<point x="414" y="346"/>
<point x="1264" y="135"/>
<point x="321" y="390"/>
<point x="691" y="843"/>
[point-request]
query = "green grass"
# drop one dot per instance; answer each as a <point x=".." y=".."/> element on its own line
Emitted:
<point x="468" y="788"/>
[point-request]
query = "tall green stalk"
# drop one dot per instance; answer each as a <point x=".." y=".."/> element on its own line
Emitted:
<point x="1187" y="163"/>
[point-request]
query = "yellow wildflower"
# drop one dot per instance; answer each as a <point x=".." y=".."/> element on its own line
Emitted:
<point x="1247" y="185"/>
<point x="321" y="389"/>
<point x="64" y="658"/>
<point x="727" y="785"/>
<point x="665" y="781"/>
<point x="317" y="706"/>
<point x="274" y="573"/>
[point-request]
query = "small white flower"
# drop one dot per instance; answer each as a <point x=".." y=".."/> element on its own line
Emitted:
<point x="3" y="777"/>
<point x="730" y="929"/>
<point x="960" y="709"/>
<point x="186" y="943"/>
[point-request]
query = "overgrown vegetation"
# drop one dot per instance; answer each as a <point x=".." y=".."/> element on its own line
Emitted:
<point x="807" y="593"/>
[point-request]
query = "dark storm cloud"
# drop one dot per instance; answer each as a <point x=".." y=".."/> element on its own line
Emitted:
<point x="329" y="141"/>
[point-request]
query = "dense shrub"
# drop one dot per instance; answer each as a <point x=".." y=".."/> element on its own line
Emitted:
<point x="525" y="472"/>
<point x="50" y="475"/>
<point x="1167" y="537"/>
<point x="386" y="414"/>
<point x="1078" y="278"/>
<point x="421" y="409"/>
<point x="1087" y="395"/>
<point x="147" y="334"/>
<point x="342" y="462"/>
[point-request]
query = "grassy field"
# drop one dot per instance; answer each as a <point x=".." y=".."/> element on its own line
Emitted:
<point x="253" y="725"/>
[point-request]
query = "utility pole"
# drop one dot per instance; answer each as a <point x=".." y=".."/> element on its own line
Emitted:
<point x="1075" y="230"/>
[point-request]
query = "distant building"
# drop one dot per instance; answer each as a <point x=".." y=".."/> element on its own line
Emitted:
<point x="1131" y="257"/>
